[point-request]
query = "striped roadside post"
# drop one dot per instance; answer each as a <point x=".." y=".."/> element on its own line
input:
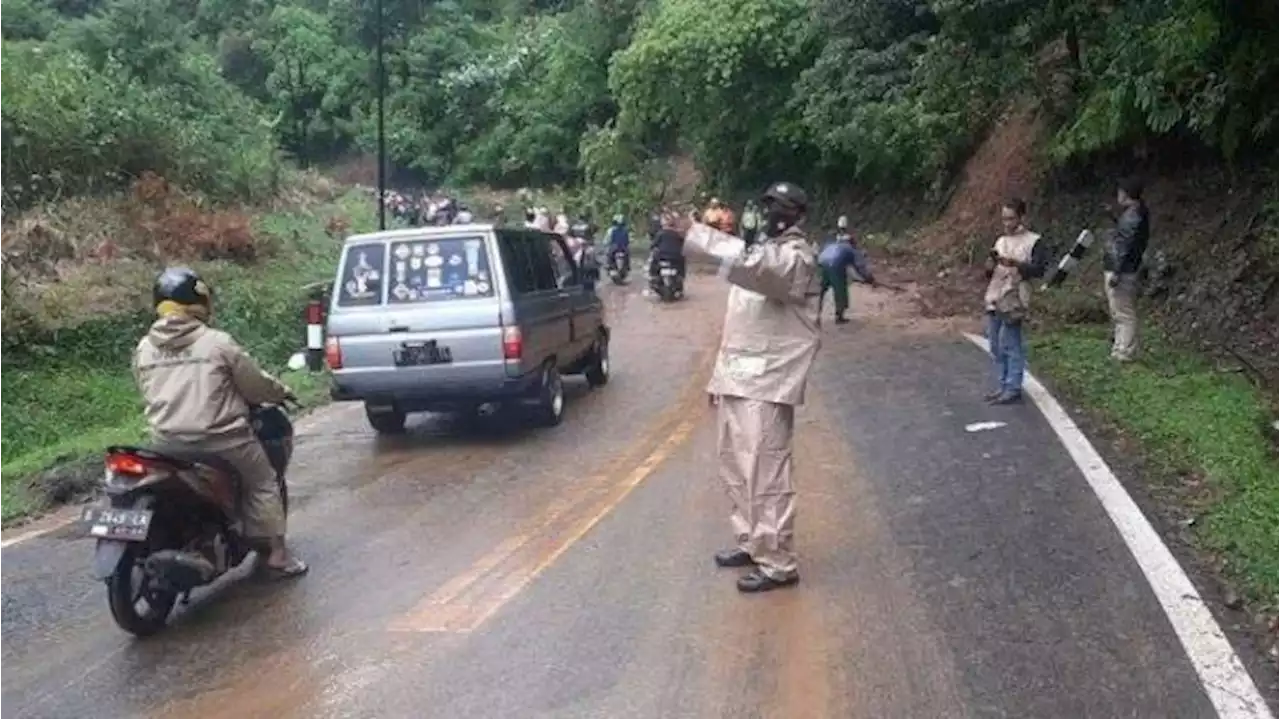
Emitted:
<point x="316" y="296"/>
<point x="1069" y="261"/>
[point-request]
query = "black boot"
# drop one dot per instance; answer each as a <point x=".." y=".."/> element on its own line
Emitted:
<point x="758" y="581"/>
<point x="733" y="558"/>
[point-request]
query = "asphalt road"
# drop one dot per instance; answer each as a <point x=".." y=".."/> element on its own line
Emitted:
<point x="567" y="572"/>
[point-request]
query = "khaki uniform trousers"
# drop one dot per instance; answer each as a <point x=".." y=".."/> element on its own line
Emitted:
<point x="754" y="452"/>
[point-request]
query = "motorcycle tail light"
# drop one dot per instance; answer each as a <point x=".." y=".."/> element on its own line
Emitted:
<point x="126" y="465"/>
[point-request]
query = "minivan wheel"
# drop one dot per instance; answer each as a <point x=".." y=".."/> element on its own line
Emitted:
<point x="550" y="408"/>
<point x="387" y="420"/>
<point x="598" y="367"/>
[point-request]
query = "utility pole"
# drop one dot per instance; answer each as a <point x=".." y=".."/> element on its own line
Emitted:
<point x="382" y="140"/>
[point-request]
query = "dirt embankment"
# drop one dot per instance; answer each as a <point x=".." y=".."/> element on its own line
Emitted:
<point x="87" y="257"/>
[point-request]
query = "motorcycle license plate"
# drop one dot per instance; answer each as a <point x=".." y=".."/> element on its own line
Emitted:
<point x="129" y="525"/>
<point x="668" y="272"/>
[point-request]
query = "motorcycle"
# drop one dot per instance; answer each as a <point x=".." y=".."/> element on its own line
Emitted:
<point x="667" y="283"/>
<point x="169" y="524"/>
<point x="618" y="266"/>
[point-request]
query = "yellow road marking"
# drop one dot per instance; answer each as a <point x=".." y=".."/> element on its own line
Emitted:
<point x="471" y="598"/>
<point x="467" y="600"/>
<point x="521" y="579"/>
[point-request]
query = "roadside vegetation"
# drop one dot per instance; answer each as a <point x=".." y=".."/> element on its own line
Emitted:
<point x="142" y="132"/>
<point x="1206" y="435"/>
<point x="69" y="391"/>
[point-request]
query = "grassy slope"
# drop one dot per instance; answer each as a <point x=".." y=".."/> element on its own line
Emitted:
<point x="1191" y="420"/>
<point x="72" y="405"/>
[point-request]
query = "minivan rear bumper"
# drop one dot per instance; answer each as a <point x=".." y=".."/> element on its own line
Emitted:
<point x="440" y="397"/>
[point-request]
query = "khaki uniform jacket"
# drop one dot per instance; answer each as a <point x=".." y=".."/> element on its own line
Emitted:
<point x="198" y="384"/>
<point x="770" y="338"/>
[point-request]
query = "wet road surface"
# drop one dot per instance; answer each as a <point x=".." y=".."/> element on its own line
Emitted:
<point x="567" y="572"/>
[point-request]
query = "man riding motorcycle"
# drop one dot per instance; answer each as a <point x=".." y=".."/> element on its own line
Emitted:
<point x="198" y="385"/>
<point x="619" y="241"/>
<point x="578" y="238"/>
<point x="668" y="245"/>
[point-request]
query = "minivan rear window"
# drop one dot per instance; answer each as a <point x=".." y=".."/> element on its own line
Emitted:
<point x="361" y="279"/>
<point x="444" y="268"/>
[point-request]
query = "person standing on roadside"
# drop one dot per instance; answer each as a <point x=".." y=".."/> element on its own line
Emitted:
<point x="1017" y="258"/>
<point x="1121" y="262"/>
<point x="837" y="256"/>
<point x="767" y="348"/>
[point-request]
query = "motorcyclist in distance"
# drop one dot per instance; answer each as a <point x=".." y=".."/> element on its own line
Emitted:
<point x="668" y="245"/>
<point x="198" y="384"/>
<point x="619" y="240"/>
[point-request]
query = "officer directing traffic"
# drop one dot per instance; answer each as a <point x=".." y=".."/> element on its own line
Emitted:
<point x="767" y="348"/>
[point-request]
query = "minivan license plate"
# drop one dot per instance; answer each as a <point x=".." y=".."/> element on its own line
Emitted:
<point x="668" y="272"/>
<point x="130" y="525"/>
<point x="428" y="353"/>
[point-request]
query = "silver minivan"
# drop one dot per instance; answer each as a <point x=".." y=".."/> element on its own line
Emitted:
<point x="459" y="318"/>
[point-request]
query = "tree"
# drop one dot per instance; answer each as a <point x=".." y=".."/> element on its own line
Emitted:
<point x="309" y="79"/>
<point x="717" y="74"/>
<point x="28" y="20"/>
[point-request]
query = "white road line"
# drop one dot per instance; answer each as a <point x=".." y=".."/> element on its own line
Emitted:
<point x="72" y="514"/>
<point x="1225" y="680"/>
<point x="24" y="536"/>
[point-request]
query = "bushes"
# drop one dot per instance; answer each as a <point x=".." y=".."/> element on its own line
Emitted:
<point x="72" y="390"/>
<point x="71" y="128"/>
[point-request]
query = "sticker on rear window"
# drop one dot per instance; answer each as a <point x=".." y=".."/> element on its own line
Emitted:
<point x="440" y="269"/>
<point x="361" y="278"/>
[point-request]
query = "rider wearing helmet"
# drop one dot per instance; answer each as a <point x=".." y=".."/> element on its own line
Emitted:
<point x="767" y="347"/>
<point x="668" y="245"/>
<point x="198" y="384"/>
<point x="619" y="240"/>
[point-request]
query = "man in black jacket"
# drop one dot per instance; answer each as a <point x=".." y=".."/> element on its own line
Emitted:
<point x="1121" y="263"/>
<point x="668" y="244"/>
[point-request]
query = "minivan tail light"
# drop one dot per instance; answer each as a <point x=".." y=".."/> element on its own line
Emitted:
<point x="512" y="343"/>
<point x="333" y="353"/>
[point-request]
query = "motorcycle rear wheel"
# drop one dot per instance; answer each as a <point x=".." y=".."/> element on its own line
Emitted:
<point x="123" y="598"/>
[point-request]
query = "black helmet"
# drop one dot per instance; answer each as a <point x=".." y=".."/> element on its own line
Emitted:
<point x="786" y="196"/>
<point x="181" y="285"/>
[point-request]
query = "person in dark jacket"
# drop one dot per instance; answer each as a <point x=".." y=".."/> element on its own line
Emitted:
<point x="619" y="240"/>
<point x="668" y="244"/>
<point x="837" y="256"/>
<point x="655" y="226"/>
<point x="1121" y="262"/>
